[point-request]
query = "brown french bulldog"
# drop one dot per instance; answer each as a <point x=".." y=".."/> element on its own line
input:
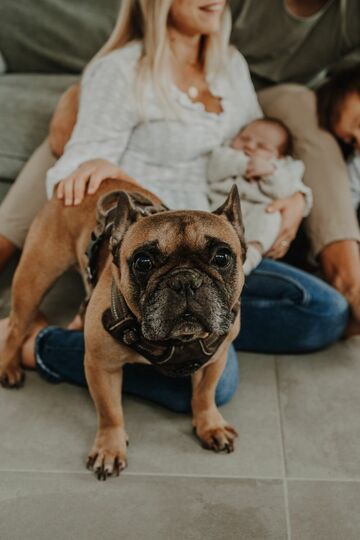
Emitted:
<point x="166" y="294"/>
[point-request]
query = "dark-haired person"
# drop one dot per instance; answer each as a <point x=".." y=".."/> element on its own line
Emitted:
<point x="339" y="113"/>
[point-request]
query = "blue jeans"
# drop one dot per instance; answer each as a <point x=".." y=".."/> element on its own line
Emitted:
<point x="284" y="310"/>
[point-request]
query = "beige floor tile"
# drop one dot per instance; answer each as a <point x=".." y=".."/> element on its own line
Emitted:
<point x="59" y="507"/>
<point x="324" y="510"/>
<point x="320" y="403"/>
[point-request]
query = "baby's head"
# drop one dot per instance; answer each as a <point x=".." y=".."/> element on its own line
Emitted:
<point x="267" y="138"/>
<point x="338" y="103"/>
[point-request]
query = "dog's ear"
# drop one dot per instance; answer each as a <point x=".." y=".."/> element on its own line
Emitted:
<point x="126" y="214"/>
<point x="231" y="209"/>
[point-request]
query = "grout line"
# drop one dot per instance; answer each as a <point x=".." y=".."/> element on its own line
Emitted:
<point x="343" y="480"/>
<point x="282" y="451"/>
<point x="195" y="476"/>
<point x="150" y="474"/>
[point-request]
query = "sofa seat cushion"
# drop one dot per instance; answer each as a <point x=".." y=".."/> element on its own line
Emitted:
<point x="26" y="106"/>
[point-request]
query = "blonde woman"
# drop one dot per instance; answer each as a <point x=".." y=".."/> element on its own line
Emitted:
<point x="163" y="92"/>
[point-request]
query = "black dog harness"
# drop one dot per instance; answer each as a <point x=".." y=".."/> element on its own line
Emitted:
<point x="172" y="357"/>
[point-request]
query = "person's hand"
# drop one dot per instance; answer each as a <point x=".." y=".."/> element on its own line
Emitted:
<point x="63" y="120"/>
<point x="258" y="167"/>
<point x="292" y="211"/>
<point x="340" y="262"/>
<point x="87" y="179"/>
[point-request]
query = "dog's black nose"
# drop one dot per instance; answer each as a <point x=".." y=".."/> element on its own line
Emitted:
<point x="185" y="282"/>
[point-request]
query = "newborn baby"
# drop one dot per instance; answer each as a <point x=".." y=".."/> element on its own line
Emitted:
<point x="258" y="161"/>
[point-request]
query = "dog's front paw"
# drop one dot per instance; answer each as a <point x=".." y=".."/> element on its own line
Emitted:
<point x="12" y="377"/>
<point x="108" y="455"/>
<point x="218" y="439"/>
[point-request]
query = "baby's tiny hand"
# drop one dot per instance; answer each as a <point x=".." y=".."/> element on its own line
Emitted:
<point x="258" y="167"/>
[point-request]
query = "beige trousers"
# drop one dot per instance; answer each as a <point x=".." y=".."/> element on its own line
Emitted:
<point x="332" y="218"/>
<point x="26" y="196"/>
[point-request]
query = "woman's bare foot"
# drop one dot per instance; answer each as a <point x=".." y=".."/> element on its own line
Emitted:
<point x="28" y="348"/>
<point x="7" y="250"/>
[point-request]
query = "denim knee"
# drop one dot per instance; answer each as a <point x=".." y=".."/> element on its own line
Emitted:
<point x="287" y="311"/>
<point x="179" y="398"/>
<point x="331" y="314"/>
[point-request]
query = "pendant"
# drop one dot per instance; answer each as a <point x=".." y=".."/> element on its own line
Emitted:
<point x="193" y="92"/>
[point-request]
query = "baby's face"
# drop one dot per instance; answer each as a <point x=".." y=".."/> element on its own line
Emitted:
<point x="260" y="139"/>
<point x="348" y="126"/>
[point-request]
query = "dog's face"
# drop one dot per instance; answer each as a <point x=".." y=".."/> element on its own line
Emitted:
<point x="180" y="272"/>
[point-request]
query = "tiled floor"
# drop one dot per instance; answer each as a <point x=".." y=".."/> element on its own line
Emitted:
<point x="295" y="472"/>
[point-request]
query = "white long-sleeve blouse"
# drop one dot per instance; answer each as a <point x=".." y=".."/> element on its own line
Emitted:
<point x="166" y="154"/>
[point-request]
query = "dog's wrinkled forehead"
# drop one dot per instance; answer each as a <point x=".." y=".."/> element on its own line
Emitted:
<point x="173" y="229"/>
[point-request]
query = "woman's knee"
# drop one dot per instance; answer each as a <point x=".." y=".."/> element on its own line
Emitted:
<point x="327" y="320"/>
<point x="285" y="310"/>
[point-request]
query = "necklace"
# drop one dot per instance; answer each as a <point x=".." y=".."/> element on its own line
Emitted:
<point x="192" y="92"/>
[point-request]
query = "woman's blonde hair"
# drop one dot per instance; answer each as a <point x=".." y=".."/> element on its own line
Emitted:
<point x="146" y="21"/>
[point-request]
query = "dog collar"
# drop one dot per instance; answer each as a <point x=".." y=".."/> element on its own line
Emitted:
<point x="170" y="357"/>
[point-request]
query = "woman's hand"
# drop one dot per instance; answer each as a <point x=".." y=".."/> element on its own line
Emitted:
<point x="292" y="212"/>
<point x="63" y="120"/>
<point x="87" y="179"/>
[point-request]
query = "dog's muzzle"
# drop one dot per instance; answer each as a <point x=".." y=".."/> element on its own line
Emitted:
<point x="172" y="357"/>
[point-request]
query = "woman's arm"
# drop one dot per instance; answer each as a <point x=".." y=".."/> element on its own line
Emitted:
<point x="64" y="119"/>
<point x="107" y="115"/>
<point x="292" y="212"/>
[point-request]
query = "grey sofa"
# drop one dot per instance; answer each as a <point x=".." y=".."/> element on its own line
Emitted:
<point x="45" y="45"/>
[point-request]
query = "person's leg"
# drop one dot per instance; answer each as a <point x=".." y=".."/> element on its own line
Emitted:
<point x="59" y="356"/>
<point x="7" y="250"/>
<point x="332" y="226"/>
<point x="24" y="199"/>
<point x="286" y="310"/>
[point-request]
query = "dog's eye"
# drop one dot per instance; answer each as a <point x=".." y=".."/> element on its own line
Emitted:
<point x="142" y="263"/>
<point x="221" y="258"/>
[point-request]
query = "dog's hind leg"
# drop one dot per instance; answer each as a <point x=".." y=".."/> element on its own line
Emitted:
<point x="43" y="260"/>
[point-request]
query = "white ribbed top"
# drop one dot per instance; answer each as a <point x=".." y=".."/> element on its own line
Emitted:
<point x="166" y="155"/>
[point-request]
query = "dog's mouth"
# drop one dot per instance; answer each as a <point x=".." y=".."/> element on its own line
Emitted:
<point x="188" y="327"/>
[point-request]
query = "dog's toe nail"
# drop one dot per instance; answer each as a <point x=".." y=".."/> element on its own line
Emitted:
<point x="90" y="462"/>
<point x="228" y="448"/>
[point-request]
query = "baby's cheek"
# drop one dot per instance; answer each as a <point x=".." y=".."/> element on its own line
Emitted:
<point x="237" y="144"/>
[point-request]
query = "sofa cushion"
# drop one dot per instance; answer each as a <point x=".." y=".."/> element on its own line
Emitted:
<point x="27" y="103"/>
<point x="54" y="36"/>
